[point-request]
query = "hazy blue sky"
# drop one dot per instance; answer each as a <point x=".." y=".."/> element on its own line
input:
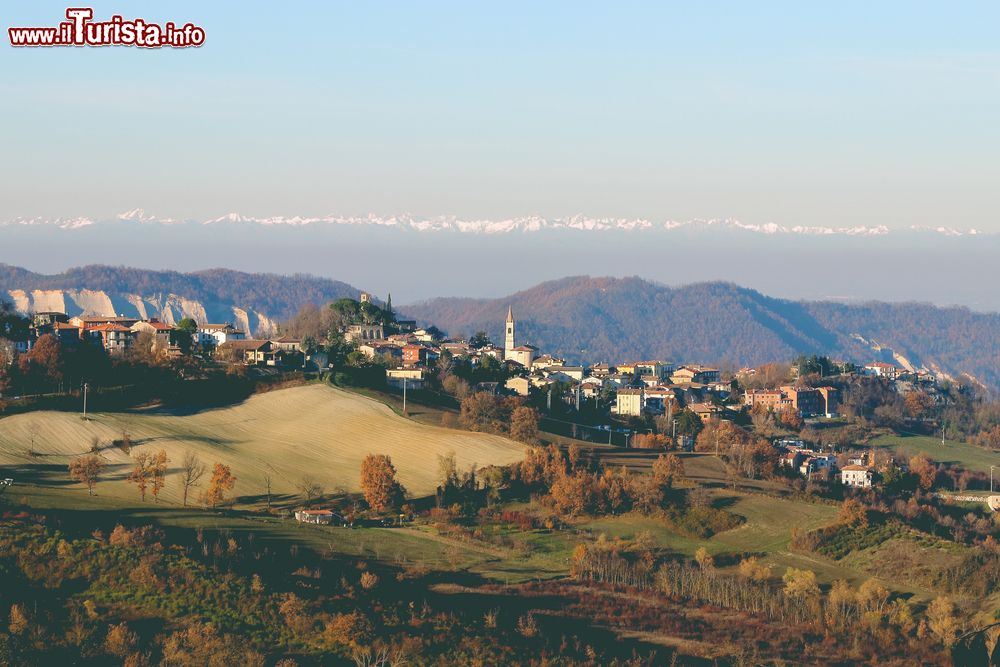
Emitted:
<point x="791" y="112"/>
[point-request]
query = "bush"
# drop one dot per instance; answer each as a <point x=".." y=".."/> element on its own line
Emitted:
<point x="702" y="521"/>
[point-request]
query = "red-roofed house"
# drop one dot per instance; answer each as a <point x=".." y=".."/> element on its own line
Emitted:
<point x="114" y="338"/>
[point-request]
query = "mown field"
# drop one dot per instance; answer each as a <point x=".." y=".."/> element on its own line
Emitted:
<point x="952" y="451"/>
<point x="315" y="431"/>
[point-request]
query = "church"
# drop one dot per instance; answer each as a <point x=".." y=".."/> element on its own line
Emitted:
<point x="522" y="354"/>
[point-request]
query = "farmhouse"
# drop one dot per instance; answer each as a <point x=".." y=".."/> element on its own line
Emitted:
<point x="323" y="517"/>
<point x="253" y="352"/>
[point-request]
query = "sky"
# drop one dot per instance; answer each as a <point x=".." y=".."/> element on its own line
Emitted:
<point x="848" y="113"/>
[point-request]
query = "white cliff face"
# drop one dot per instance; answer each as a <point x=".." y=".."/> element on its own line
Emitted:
<point x="242" y="320"/>
<point x="169" y="308"/>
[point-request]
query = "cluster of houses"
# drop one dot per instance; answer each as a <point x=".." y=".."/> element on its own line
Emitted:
<point x="117" y="334"/>
<point x="858" y="471"/>
<point x="634" y="388"/>
<point x="806" y="401"/>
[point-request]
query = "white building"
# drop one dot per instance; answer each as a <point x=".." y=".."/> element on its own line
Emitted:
<point x="324" y="517"/>
<point x="213" y="335"/>
<point x="629" y="402"/>
<point x="862" y="476"/>
<point x="880" y="369"/>
<point x="412" y="377"/>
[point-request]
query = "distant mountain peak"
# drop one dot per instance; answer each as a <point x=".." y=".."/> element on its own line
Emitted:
<point x="523" y="224"/>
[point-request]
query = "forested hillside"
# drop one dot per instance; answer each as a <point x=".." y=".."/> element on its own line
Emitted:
<point x="615" y="319"/>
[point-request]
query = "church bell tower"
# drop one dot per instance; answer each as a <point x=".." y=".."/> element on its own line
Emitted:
<point x="508" y="341"/>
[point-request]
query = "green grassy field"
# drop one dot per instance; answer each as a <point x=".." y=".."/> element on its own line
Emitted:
<point x="960" y="453"/>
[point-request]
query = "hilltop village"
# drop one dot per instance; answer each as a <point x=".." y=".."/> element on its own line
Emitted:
<point x="814" y="494"/>
<point x="630" y="404"/>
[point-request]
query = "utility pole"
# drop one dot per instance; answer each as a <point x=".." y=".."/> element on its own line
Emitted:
<point x="404" y="396"/>
<point x="85" y="387"/>
<point x="673" y="436"/>
<point x="991" y="478"/>
<point x="942" y="434"/>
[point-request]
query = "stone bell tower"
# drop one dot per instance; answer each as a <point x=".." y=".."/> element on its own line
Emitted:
<point x="508" y="341"/>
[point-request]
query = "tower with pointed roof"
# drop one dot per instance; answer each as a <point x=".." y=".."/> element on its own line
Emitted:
<point x="508" y="341"/>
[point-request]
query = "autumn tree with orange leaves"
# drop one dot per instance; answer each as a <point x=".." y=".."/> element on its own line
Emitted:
<point x="222" y="481"/>
<point x="378" y="483"/>
<point x="87" y="469"/>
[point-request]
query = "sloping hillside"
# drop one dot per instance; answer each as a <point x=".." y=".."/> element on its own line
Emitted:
<point x="315" y="431"/>
<point x="615" y="319"/>
<point x="254" y="302"/>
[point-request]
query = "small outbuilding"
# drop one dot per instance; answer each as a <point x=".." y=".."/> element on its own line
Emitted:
<point x="323" y="517"/>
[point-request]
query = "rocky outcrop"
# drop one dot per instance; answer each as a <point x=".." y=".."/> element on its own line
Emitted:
<point x="169" y="308"/>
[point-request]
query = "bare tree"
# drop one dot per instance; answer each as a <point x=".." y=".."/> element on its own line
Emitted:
<point x="310" y="488"/>
<point x="192" y="470"/>
<point x="267" y="488"/>
<point x="125" y="443"/>
<point x="32" y="436"/>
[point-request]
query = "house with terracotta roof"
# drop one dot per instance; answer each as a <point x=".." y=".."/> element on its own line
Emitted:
<point x="68" y="334"/>
<point x="692" y="374"/>
<point x="114" y="338"/>
<point x="213" y="335"/>
<point x="654" y="368"/>
<point x="707" y="412"/>
<point x="519" y="385"/>
<point x="161" y="331"/>
<point x="546" y="360"/>
<point x="84" y="321"/>
<point x="288" y="344"/>
<point x="375" y="349"/>
<point x="414" y="355"/>
<point x="252" y="352"/>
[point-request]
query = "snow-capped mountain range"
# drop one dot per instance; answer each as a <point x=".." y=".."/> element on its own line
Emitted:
<point x="525" y="224"/>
